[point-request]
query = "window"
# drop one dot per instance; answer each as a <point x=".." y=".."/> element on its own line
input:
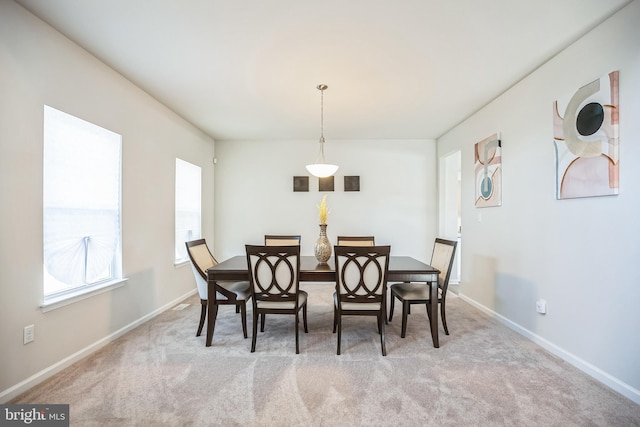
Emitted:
<point x="82" y="209"/>
<point x="188" y="203"/>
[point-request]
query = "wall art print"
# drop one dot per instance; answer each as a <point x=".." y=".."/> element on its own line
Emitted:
<point x="326" y="184"/>
<point x="488" y="170"/>
<point x="585" y="134"/>
<point x="300" y="183"/>
<point x="352" y="183"/>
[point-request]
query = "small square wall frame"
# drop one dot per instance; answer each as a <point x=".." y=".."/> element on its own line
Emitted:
<point x="325" y="184"/>
<point x="352" y="183"/>
<point x="300" y="183"/>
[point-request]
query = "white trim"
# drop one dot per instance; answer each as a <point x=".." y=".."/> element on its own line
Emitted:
<point x="46" y="373"/>
<point x="51" y="303"/>
<point x="586" y="367"/>
<point x="181" y="263"/>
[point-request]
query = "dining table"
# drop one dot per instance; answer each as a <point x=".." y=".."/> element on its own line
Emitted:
<point x="401" y="269"/>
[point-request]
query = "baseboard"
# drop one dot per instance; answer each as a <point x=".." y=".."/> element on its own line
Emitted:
<point x="23" y="386"/>
<point x="591" y="370"/>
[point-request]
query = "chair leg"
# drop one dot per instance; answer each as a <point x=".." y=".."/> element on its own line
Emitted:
<point x="255" y="329"/>
<point x="262" y="321"/>
<point x="339" y="331"/>
<point x="297" y="333"/>
<point x="384" y="310"/>
<point x="382" y="341"/>
<point x="304" y="318"/>
<point x="405" y="313"/>
<point x="243" y="313"/>
<point x="391" y="307"/>
<point x="444" y="318"/>
<point x="237" y="309"/>
<point x="335" y="318"/>
<point x="203" y="316"/>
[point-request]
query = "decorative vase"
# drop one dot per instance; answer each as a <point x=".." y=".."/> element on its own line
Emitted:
<point x="322" y="248"/>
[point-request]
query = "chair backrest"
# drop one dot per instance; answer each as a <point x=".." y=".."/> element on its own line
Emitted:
<point x="274" y="272"/>
<point x="279" y="240"/>
<point x="442" y="259"/>
<point x="201" y="259"/>
<point x="361" y="272"/>
<point x="356" y="241"/>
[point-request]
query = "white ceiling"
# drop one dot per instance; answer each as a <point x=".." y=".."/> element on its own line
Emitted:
<point x="397" y="69"/>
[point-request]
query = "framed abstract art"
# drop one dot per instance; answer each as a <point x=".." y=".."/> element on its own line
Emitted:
<point x="585" y="135"/>
<point x="488" y="170"/>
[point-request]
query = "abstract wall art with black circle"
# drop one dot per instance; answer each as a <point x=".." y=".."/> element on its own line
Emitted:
<point x="585" y="133"/>
<point x="488" y="170"/>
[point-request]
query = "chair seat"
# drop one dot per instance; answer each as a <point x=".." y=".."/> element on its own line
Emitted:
<point x="241" y="289"/>
<point x="412" y="291"/>
<point x="354" y="306"/>
<point x="283" y="305"/>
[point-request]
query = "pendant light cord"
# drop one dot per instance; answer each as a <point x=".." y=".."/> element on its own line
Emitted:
<point x="321" y="87"/>
<point x="321" y="113"/>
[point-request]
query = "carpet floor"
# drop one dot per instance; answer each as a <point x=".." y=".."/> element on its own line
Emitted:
<point x="483" y="374"/>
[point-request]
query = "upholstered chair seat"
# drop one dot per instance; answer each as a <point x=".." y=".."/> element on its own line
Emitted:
<point x="283" y="305"/>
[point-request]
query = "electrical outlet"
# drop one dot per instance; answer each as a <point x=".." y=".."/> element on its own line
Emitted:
<point x="541" y="306"/>
<point x="29" y="334"/>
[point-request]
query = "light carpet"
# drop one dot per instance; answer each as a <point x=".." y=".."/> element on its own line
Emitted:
<point x="483" y="374"/>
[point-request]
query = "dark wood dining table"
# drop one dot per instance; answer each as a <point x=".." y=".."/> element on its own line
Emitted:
<point x="401" y="269"/>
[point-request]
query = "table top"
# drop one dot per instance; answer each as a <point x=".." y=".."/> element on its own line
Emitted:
<point x="401" y="268"/>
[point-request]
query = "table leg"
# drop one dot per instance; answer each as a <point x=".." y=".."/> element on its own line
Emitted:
<point x="433" y="296"/>
<point x="212" y="311"/>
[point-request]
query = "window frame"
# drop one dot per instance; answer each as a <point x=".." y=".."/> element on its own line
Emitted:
<point x="184" y="172"/>
<point x="61" y="131"/>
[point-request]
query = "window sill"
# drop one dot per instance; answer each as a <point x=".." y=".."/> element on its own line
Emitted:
<point x="53" y="303"/>
<point x="181" y="263"/>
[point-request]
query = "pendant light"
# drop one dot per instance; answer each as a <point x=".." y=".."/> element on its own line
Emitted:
<point x="321" y="168"/>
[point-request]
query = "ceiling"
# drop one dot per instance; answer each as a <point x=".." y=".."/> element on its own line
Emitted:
<point x="401" y="69"/>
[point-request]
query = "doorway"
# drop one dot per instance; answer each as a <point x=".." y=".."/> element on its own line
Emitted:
<point x="450" y="226"/>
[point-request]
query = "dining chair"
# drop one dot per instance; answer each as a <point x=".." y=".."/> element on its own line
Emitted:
<point x="361" y="285"/>
<point x="278" y="240"/>
<point x="356" y="241"/>
<point x="275" y="285"/>
<point x="281" y="240"/>
<point x="227" y="292"/>
<point x="418" y="293"/>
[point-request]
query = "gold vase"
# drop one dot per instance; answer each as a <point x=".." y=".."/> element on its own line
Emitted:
<point x="322" y="249"/>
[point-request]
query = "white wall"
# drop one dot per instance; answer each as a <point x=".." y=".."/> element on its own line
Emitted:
<point x="397" y="199"/>
<point x="39" y="66"/>
<point x="581" y="255"/>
